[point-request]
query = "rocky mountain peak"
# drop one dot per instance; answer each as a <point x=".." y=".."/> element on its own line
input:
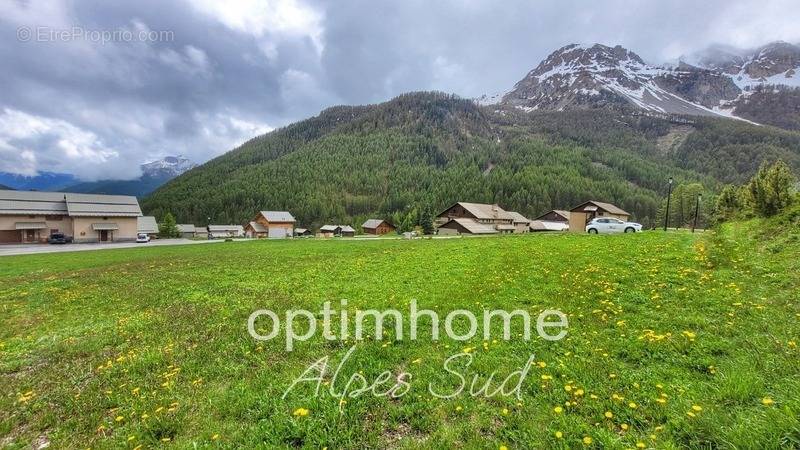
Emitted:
<point x="773" y="59"/>
<point x="718" y="81"/>
<point x="169" y="166"/>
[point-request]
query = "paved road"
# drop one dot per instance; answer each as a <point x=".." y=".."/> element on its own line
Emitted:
<point x="30" y="249"/>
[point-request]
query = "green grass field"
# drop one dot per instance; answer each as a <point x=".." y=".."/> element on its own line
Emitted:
<point x="675" y="340"/>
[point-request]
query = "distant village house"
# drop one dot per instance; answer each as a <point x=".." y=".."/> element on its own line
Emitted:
<point x="147" y="225"/>
<point x="302" y="232"/>
<point x="189" y="231"/>
<point x="271" y="224"/>
<point x="480" y="218"/>
<point x="336" y="231"/>
<point x="580" y="215"/>
<point x="554" y="220"/>
<point x="377" y="226"/>
<point x="225" y="231"/>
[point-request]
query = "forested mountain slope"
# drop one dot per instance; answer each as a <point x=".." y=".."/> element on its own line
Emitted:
<point x="426" y="150"/>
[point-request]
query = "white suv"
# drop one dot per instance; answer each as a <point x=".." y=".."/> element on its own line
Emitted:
<point x="611" y="225"/>
<point x="142" y="238"/>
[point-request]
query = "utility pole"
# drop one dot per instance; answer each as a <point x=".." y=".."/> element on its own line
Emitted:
<point x="669" y="195"/>
<point x="696" y="211"/>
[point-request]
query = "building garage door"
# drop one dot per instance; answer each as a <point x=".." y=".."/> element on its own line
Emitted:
<point x="277" y="233"/>
<point x="10" y="237"/>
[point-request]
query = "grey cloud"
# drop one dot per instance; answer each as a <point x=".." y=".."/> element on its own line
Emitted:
<point x="224" y="77"/>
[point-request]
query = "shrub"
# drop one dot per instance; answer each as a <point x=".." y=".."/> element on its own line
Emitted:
<point x="168" y="228"/>
<point x="771" y="189"/>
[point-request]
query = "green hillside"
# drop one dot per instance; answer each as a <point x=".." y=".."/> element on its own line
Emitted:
<point x="428" y="150"/>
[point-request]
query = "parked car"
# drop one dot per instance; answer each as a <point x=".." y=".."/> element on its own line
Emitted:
<point x="142" y="238"/>
<point x="59" y="238"/>
<point x="611" y="225"/>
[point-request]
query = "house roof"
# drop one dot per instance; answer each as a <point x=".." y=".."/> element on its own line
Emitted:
<point x="347" y="229"/>
<point x="608" y="207"/>
<point x="236" y="228"/>
<point x="32" y="203"/>
<point x="92" y="205"/>
<point x="277" y="216"/>
<point x="146" y="224"/>
<point x="547" y="225"/>
<point x="484" y="211"/>
<point x="80" y="205"/>
<point x="300" y="230"/>
<point x="518" y="218"/>
<point x="329" y="228"/>
<point x="374" y="223"/>
<point x="187" y="228"/>
<point x="472" y="225"/>
<point x="561" y="212"/>
<point x="258" y="228"/>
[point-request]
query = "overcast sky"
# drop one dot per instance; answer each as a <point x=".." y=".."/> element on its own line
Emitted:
<point x="96" y="87"/>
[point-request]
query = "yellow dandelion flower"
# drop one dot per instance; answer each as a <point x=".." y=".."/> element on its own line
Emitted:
<point x="641" y="445"/>
<point x="558" y="410"/>
<point x="119" y="418"/>
<point x="587" y="440"/>
<point x="505" y="411"/>
<point x="697" y="408"/>
<point x="503" y="447"/>
<point x="767" y="401"/>
<point x="215" y="437"/>
<point x="608" y="414"/>
<point x="624" y="427"/>
<point x="559" y="435"/>
<point x="633" y="405"/>
<point x="300" y="412"/>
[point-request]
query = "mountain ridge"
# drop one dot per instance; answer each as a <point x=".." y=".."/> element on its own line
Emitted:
<point x="426" y="150"/>
<point x="716" y="82"/>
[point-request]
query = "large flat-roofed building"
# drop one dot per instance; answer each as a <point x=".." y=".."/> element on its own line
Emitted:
<point x="31" y="217"/>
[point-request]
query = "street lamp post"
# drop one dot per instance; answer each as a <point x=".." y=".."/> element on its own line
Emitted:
<point x="696" y="211"/>
<point x="669" y="195"/>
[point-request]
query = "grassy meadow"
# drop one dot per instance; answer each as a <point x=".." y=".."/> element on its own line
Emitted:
<point x="675" y="340"/>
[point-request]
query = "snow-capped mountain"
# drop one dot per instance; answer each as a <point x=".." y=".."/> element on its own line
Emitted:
<point x="170" y="166"/>
<point x="776" y="64"/>
<point x="719" y="81"/>
<point x="154" y="174"/>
